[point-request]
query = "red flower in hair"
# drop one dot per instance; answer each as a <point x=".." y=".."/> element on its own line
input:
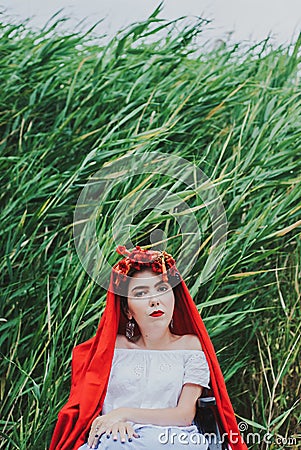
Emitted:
<point x="123" y="266"/>
<point x="136" y="265"/>
<point x="157" y="266"/>
<point x="169" y="261"/>
<point x="121" y="249"/>
<point x="141" y="255"/>
<point x="139" y="258"/>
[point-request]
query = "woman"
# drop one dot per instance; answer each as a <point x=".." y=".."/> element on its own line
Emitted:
<point x="143" y="372"/>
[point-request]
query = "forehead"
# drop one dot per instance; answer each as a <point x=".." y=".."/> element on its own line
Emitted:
<point x="144" y="278"/>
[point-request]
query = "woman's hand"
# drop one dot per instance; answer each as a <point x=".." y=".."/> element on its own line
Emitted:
<point x="113" y="422"/>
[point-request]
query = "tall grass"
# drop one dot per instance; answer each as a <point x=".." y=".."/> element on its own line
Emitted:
<point x="70" y="104"/>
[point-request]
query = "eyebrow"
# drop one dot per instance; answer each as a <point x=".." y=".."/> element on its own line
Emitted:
<point x="146" y="287"/>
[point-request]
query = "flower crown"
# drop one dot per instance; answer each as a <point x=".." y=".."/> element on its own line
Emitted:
<point x="140" y="258"/>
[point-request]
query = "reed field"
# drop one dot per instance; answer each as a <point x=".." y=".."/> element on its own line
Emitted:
<point x="72" y="103"/>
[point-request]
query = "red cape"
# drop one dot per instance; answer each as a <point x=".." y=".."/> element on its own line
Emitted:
<point x="91" y="365"/>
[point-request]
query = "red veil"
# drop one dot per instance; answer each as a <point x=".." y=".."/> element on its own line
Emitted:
<point x="91" y="365"/>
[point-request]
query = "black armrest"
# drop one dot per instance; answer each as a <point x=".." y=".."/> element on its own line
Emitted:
<point x="207" y="422"/>
<point x="204" y="402"/>
<point x="205" y="415"/>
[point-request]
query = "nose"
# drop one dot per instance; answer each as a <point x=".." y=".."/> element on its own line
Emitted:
<point x="154" y="302"/>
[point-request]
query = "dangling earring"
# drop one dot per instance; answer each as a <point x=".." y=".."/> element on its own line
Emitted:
<point x="129" y="329"/>
<point x="171" y="324"/>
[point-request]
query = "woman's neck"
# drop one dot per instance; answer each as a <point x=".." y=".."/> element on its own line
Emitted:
<point x="156" y="340"/>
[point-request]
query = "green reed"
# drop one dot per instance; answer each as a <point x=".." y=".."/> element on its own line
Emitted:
<point x="72" y="102"/>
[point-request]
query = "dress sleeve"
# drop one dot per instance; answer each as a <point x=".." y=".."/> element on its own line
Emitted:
<point x="196" y="369"/>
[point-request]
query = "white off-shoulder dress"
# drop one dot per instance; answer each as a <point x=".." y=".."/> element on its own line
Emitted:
<point x="142" y="378"/>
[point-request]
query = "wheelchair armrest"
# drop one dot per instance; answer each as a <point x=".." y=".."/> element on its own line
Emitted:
<point x="205" y="417"/>
<point x="206" y="420"/>
<point x="204" y="402"/>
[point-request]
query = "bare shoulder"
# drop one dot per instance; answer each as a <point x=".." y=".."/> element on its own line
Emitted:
<point x="190" y="342"/>
<point x="121" y="341"/>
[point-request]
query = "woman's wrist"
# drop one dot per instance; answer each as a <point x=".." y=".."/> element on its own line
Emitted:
<point x="124" y="414"/>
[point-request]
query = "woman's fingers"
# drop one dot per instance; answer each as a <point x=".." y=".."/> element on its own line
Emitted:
<point x="130" y="432"/>
<point x="122" y="431"/>
<point x="115" y="429"/>
<point x="100" y="430"/>
<point x="97" y="429"/>
<point x="93" y="440"/>
<point x="125" y="431"/>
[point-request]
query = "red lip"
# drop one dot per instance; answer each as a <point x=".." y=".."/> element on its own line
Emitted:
<point x="157" y="313"/>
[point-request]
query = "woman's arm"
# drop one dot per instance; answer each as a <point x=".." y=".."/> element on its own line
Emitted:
<point x="182" y="415"/>
<point x="117" y="420"/>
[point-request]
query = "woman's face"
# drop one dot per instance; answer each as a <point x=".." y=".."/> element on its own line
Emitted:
<point x="150" y="300"/>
